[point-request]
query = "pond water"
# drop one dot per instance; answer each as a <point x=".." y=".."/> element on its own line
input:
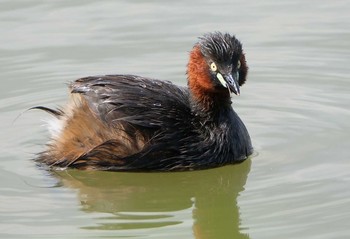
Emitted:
<point x="295" y="105"/>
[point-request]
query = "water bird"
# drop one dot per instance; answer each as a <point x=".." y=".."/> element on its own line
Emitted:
<point x="134" y="123"/>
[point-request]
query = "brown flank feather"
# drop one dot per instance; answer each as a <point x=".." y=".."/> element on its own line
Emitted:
<point x="85" y="137"/>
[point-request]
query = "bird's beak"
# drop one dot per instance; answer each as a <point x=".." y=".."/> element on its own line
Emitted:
<point x="230" y="82"/>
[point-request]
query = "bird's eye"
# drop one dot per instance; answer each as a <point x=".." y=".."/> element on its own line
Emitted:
<point x="238" y="65"/>
<point x="213" y="66"/>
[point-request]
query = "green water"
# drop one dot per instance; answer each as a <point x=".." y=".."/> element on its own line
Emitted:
<point x="295" y="105"/>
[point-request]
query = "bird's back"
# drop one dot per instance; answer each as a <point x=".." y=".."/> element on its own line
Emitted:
<point x="119" y="122"/>
<point x="137" y="100"/>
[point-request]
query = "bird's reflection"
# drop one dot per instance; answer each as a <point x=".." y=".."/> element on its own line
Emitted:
<point x="148" y="200"/>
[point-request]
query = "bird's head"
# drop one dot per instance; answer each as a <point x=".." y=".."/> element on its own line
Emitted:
<point x="217" y="65"/>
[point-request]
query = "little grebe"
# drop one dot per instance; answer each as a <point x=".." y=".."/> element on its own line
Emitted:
<point x="133" y="123"/>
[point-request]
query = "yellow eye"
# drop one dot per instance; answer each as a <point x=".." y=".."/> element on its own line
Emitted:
<point x="213" y="66"/>
<point x="238" y="65"/>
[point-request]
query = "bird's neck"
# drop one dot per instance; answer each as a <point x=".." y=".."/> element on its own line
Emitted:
<point x="204" y="95"/>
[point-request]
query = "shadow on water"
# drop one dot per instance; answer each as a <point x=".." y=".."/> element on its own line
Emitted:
<point x="151" y="200"/>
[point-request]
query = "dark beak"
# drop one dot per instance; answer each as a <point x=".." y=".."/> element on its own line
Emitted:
<point x="232" y="82"/>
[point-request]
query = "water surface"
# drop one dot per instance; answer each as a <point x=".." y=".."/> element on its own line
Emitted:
<point x="295" y="105"/>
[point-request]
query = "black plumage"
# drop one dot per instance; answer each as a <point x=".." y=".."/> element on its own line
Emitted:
<point x="178" y="131"/>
